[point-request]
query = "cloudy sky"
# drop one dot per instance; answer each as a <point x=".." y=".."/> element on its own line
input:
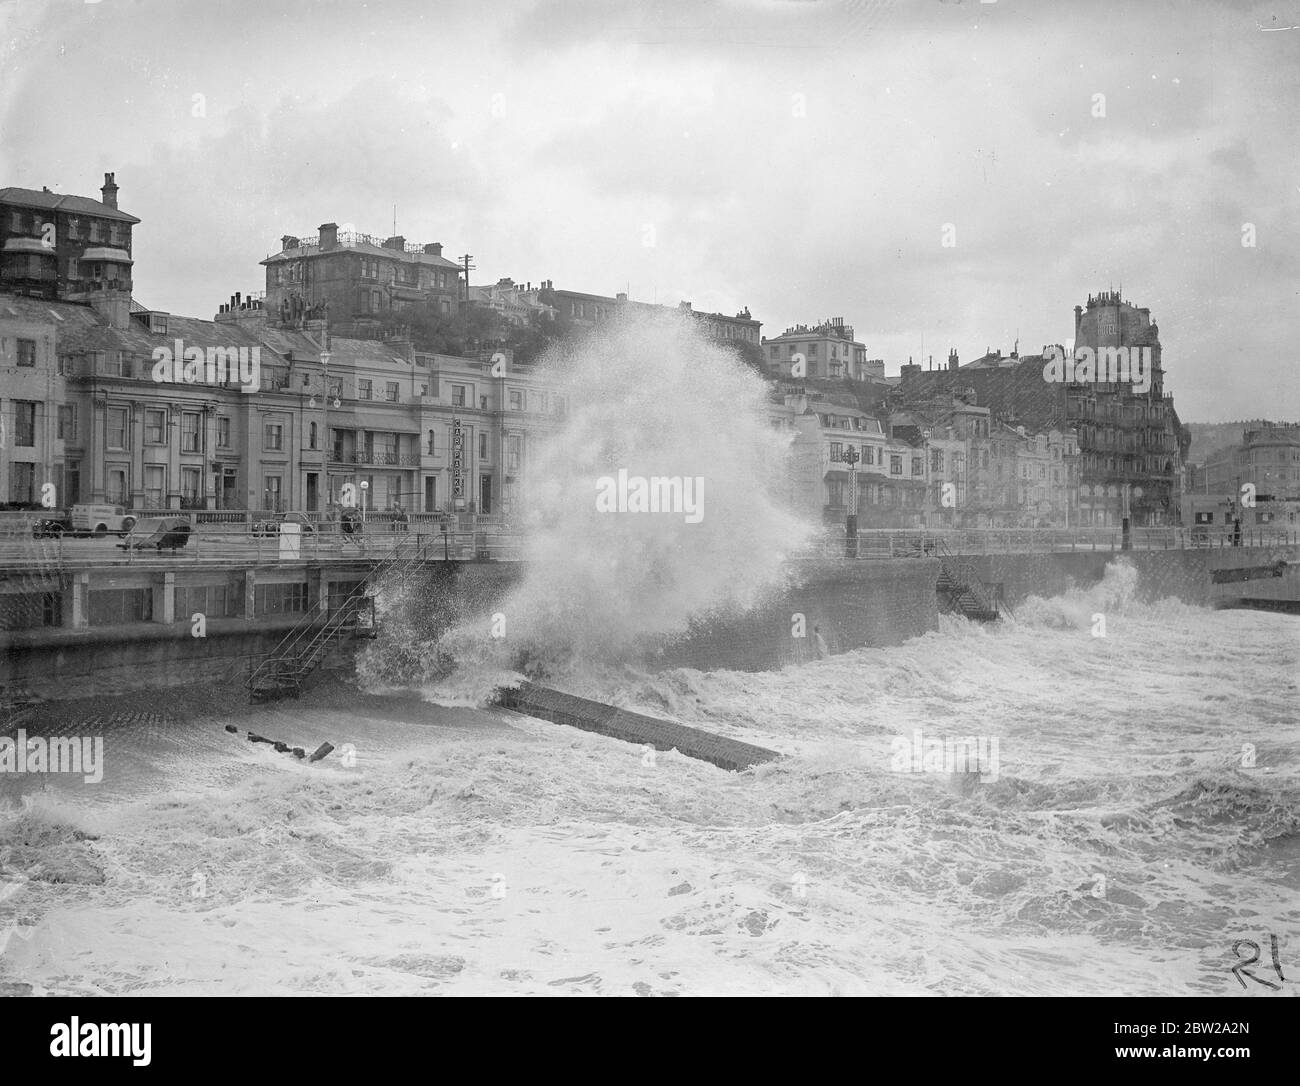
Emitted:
<point x="799" y="157"/>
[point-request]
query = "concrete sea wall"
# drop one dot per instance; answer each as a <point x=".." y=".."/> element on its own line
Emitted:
<point x="1187" y="575"/>
<point x="857" y="604"/>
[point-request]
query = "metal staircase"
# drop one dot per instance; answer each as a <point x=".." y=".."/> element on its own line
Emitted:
<point x="962" y="590"/>
<point x="282" y="672"/>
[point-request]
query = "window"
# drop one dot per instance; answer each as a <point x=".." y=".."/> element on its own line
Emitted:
<point x="433" y="444"/>
<point x="96" y="230"/>
<point x="110" y="606"/>
<point x="189" y="431"/>
<point x="514" y="452"/>
<point x="482" y="446"/>
<point x="391" y="392"/>
<point x="115" y="485"/>
<point x="25" y="422"/>
<point x="189" y="488"/>
<point x="918" y="465"/>
<point x="837" y="452"/>
<point x="112" y="362"/>
<point x="279" y="599"/>
<point x="516" y="400"/>
<point x="458" y="395"/>
<point x="271" y="493"/>
<point x="27" y="352"/>
<point x="22" y="482"/>
<point x="30" y="610"/>
<point x="868" y="454"/>
<point x="155" y="427"/>
<point x="539" y="403"/>
<point x="68" y="422"/>
<point x="835" y="492"/>
<point x="214" y="601"/>
<point x="272" y="437"/>
<point x="155" y="482"/>
<point x="936" y="460"/>
<point x="223" y="432"/>
<point x="311" y="441"/>
<point x="895" y="464"/>
<point x="364" y="389"/>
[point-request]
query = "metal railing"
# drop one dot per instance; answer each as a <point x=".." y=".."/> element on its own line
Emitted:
<point x="922" y="542"/>
<point x="231" y="543"/>
<point x="298" y="648"/>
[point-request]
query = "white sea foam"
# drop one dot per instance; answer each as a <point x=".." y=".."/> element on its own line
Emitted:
<point x="1124" y="848"/>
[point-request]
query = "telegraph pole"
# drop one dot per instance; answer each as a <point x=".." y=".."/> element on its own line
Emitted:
<point x="465" y="259"/>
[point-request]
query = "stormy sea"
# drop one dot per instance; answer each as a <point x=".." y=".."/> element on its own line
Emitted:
<point x="1133" y="826"/>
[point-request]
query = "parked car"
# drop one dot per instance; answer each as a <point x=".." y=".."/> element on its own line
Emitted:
<point x="272" y="526"/>
<point x="51" y="527"/>
<point x="101" y="519"/>
<point x="163" y="533"/>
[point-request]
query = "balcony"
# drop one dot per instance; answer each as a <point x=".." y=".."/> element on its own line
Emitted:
<point x="376" y="458"/>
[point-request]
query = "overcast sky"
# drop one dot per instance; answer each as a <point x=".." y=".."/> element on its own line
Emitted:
<point x="799" y="157"/>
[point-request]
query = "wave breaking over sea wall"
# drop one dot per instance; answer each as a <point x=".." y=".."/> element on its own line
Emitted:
<point x="652" y="398"/>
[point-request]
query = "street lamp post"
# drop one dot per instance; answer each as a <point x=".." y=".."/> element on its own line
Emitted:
<point x="851" y="457"/>
<point x="365" y="488"/>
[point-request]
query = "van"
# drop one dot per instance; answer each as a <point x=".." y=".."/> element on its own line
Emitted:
<point x="101" y="519"/>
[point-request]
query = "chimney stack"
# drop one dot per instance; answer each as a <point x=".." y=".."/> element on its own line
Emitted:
<point x="397" y="243"/>
<point x="288" y="242"/>
<point x="329" y="236"/>
<point x="434" y="248"/>
<point x="109" y="191"/>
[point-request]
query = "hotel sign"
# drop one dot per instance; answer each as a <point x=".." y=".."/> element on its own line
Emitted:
<point x="457" y="460"/>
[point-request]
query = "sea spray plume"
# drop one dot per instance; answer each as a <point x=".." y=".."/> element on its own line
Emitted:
<point x="652" y="397"/>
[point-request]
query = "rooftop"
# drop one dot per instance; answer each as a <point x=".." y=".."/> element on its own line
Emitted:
<point x="54" y="201"/>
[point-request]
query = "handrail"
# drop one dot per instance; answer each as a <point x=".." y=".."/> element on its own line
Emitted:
<point x="289" y="644"/>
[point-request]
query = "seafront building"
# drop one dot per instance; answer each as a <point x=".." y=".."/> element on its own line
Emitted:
<point x="1131" y="444"/>
<point x="342" y="397"/>
<point x="828" y="350"/>
<point x="87" y="413"/>
<point x="591" y="310"/>
<point x="352" y="280"/>
<point x="888" y="470"/>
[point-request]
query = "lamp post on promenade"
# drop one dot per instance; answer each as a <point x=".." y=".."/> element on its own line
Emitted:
<point x="851" y="457"/>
